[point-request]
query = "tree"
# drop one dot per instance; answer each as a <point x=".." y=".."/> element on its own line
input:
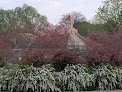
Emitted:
<point x="5" y="47"/>
<point x="102" y="47"/>
<point x="82" y="27"/>
<point x="79" y="22"/>
<point x="110" y="13"/>
<point x="48" y="42"/>
<point x="98" y="27"/>
<point x="21" y="16"/>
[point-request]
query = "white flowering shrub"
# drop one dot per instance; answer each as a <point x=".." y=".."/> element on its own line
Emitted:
<point x="107" y="77"/>
<point x="74" y="78"/>
<point x="119" y="77"/>
<point x="23" y="79"/>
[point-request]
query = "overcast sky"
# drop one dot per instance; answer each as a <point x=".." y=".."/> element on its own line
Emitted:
<point x="54" y="9"/>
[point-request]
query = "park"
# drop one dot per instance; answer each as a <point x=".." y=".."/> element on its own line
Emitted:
<point x="72" y="55"/>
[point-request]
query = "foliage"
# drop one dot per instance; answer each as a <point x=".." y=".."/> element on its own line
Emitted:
<point x="44" y="79"/>
<point x="82" y="27"/>
<point x="107" y="77"/>
<point x="2" y="61"/>
<point x="98" y="48"/>
<point x="62" y="58"/>
<point x="11" y="66"/>
<point x="27" y="78"/>
<point x="50" y="41"/>
<point x="47" y="42"/>
<point x="99" y="27"/>
<point x="102" y="47"/>
<point x="21" y="16"/>
<point x="117" y="47"/>
<point x="74" y="78"/>
<point x="36" y="59"/>
<point x="5" y="47"/>
<point x="110" y="13"/>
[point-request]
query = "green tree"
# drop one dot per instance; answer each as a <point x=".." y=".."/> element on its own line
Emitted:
<point x="98" y="27"/>
<point x="110" y="13"/>
<point x="5" y="16"/>
<point x="82" y="27"/>
<point x="21" y="16"/>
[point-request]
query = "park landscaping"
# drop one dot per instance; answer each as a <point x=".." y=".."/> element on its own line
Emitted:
<point x="98" y="66"/>
<point x="64" y="73"/>
<point x="37" y="56"/>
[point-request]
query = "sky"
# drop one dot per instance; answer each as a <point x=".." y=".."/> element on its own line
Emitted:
<point x="54" y="9"/>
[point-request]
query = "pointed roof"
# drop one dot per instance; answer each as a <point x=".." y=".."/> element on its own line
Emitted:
<point x="48" y="25"/>
<point x="69" y="18"/>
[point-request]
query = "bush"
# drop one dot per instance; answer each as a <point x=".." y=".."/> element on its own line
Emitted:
<point x="23" y="79"/>
<point x="74" y="78"/>
<point x="2" y="62"/>
<point x="117" y="47"/>
<point x="45" y="79"/>
<point x="103" y="47"/>
<point x="98" y="54"/>
<point x="61" y="59"/>
<point x="36" y="59"/>
<point x="107" y="77"/>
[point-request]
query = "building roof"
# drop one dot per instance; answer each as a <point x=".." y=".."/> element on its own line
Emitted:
<point x="75" y="40"/>
<point x="69" y="18"/>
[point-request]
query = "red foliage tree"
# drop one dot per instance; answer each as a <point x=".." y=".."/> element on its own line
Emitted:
<point x="103" y="47"/>
<point x="50" y="41"/>
<point x="62" y="58"/>
<point x="5" y="47"/>
<point x="36" y="59"/>
<point x="11" y="40"/>
<point x="117" y="47"/>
